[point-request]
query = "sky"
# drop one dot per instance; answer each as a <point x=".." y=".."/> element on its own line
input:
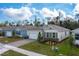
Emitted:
<point x="28" y="11"/>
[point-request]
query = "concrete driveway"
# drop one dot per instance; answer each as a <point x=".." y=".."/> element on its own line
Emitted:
<point x="21" y="42"/>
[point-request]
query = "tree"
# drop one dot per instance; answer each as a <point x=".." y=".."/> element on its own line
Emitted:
<point x="6" y="23"/>
<point x="39" y="37"/>
<point x="14" y="33"/>
<point x="18" y="23"/>
<point x="1" y="33"/>
<point x="26" y="22"/>
<point x="36" y="23"/>
<point x="71" y="39"/>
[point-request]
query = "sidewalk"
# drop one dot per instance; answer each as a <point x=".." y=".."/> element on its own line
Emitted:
<point x="3" y="49"/>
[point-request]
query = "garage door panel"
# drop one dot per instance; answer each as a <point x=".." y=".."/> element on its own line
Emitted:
<point x="33" y="35"/>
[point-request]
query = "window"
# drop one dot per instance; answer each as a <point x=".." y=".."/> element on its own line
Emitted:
<point x="47" y="35"/>
<point x="77" y="36"/>
<point x="54" y="35"/>
<point x="51" y="35"/>
<point x="65" y="33"/>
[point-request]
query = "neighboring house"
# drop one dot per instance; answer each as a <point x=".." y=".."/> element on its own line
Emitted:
<point x="75" y="34"/>
<point x="31" y="32"/>
<point x="8" y="31"/>
<point x="21" y="32"/>
<point x="55" y="32"/>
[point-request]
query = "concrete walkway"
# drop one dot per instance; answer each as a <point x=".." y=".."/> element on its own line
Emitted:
<point x="22" y="51"/>
<point x="2" y="48"/>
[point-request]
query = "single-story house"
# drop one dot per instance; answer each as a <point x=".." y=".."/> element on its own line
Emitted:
<point x="75" y="34"/>
<point x="8" y="31"/>
<point x="56" y="32"/>
<point x="31" y="32"/>
<point x="21" y="32"/>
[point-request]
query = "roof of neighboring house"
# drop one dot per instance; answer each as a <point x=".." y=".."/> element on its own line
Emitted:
<point x="20" y="27"/>
<point x="76" y="30"/>
<point x="55" y="27"/>
<point x="7" y="28"/>
<point x="29" y="27"/>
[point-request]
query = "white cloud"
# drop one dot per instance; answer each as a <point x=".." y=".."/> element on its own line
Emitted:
<point x="21" y="13"/>
<point x="24" y="13"/>
<point x="53" y="13"/>
<point x="76" y="9"/>
<point x="34" y="11"/>
<point x="70" y="16"/>
<point x="62" y="13"/>
<point x="48" y="13"/>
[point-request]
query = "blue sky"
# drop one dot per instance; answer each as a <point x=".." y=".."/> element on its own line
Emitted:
<point x="14" y="11"/>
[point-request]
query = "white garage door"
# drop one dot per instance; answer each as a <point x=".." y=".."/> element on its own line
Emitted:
<point x="33" y="35"/>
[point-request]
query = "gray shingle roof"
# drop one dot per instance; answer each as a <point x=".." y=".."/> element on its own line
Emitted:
<point x="76" y="30"/>
<point x="45" y="27"/>
<point x="55" y="27"/>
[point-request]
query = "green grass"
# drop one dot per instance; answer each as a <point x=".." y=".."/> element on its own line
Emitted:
<point x="9" y="39"/>
<point x="64" y="48"/>
<point x="12" y="53"/>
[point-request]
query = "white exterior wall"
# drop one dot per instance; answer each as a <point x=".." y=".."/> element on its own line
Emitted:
<point x="50" y="31"/>
<point x="62" y="35"/>
<point x="76" y="42"/>
<point x="8" y="33"/>
<point x="33" y="34"/>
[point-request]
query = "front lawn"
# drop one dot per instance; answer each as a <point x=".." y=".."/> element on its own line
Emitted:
<point x="12" y="53"/>
<point x="9" y="39"/>
<point x="64" y="48"/>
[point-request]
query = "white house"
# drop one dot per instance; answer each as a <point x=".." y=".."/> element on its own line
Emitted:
<point x="54" y="31"/>
<point x="75" y="34"/>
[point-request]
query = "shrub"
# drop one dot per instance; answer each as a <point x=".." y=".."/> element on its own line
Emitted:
<point x="14" y="33"/>
<point x="40" y="39"/>
<point x="71" y="40"/>
<point x="1" y="34"/>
